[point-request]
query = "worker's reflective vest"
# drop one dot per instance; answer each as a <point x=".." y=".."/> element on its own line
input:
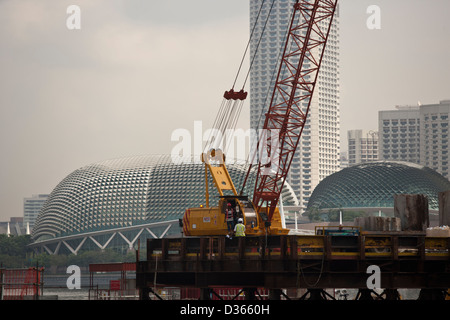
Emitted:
<point x="240" y="230"/>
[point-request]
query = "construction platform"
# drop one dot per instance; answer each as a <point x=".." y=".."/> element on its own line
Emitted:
<point x="313" y="262"/>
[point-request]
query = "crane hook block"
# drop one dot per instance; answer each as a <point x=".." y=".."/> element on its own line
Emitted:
<point x="241" y="95"/>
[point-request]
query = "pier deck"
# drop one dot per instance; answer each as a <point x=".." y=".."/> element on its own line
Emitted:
<point x="297" y="261"/>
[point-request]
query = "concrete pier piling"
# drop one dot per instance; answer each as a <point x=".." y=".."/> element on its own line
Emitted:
<point x="412" y="209"/>
<point x="444" y="208"/>
<point x="378" y="223"/>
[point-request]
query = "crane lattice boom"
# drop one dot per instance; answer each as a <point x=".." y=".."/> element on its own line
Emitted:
<point x="305" y="44"/>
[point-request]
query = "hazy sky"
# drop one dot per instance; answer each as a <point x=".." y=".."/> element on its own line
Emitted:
<point x="139" y="69"/>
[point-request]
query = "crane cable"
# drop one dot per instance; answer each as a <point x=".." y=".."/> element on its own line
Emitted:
<point x="229" y="112"/>
<point x="251" y="64"/>
<point x="259" y="41"/>
<point x="262" y="114"/>
<point x="248" y="44"/>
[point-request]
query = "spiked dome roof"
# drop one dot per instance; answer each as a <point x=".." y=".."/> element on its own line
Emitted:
<point x="374" y="184"/>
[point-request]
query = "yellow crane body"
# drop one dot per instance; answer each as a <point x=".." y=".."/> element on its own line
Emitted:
<point x="210" y="221"/>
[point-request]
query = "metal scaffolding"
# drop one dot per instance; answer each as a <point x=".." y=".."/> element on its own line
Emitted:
<point x="21" y="284"/>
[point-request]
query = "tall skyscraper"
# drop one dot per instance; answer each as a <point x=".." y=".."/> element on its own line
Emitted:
<point x="318" y="152"/>
<point x="434" y="138"/>
<point x="400" y="134"/>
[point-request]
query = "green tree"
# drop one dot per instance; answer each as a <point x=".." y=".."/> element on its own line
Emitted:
<point x="14" y="252"/>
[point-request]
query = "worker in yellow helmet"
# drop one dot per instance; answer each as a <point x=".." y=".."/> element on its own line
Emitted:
<point x="239" y="229"/>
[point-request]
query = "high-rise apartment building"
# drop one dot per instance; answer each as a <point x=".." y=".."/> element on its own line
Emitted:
<point x="362" y="146"/>
<point x="417" y="134"/>
<point x="400" y="134"/>
<point x="31" y="208"/>
<point x="319" y="148"/>
<point x="434" y="139"/>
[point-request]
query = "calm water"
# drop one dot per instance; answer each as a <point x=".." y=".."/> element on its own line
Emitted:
<point x="66" y="294"/>
<point x="55" y="285"/>
<point x="83" y="294"/>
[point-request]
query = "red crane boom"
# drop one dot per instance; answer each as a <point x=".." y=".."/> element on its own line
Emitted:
<point x="292" y="95"/>
<point x="285" y="120"/>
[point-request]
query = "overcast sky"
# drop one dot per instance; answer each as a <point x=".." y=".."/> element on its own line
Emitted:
<point x="139" y="69"/>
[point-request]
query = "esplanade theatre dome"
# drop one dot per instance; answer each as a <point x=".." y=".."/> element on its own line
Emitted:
<point x="374" y="184"/>
<point x="125" y="192"/>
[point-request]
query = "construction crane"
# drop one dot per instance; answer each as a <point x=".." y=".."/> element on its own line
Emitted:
<point x="284" y="123"/>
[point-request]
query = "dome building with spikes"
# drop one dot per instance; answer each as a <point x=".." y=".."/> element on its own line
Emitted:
<point x="371" y="187"/>
<point x="114" y="203"/>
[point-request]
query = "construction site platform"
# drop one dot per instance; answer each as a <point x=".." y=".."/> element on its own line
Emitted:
<point x="406" y="260"/>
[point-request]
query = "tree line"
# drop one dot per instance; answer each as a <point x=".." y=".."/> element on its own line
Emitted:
<point x="15" y="253"/>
